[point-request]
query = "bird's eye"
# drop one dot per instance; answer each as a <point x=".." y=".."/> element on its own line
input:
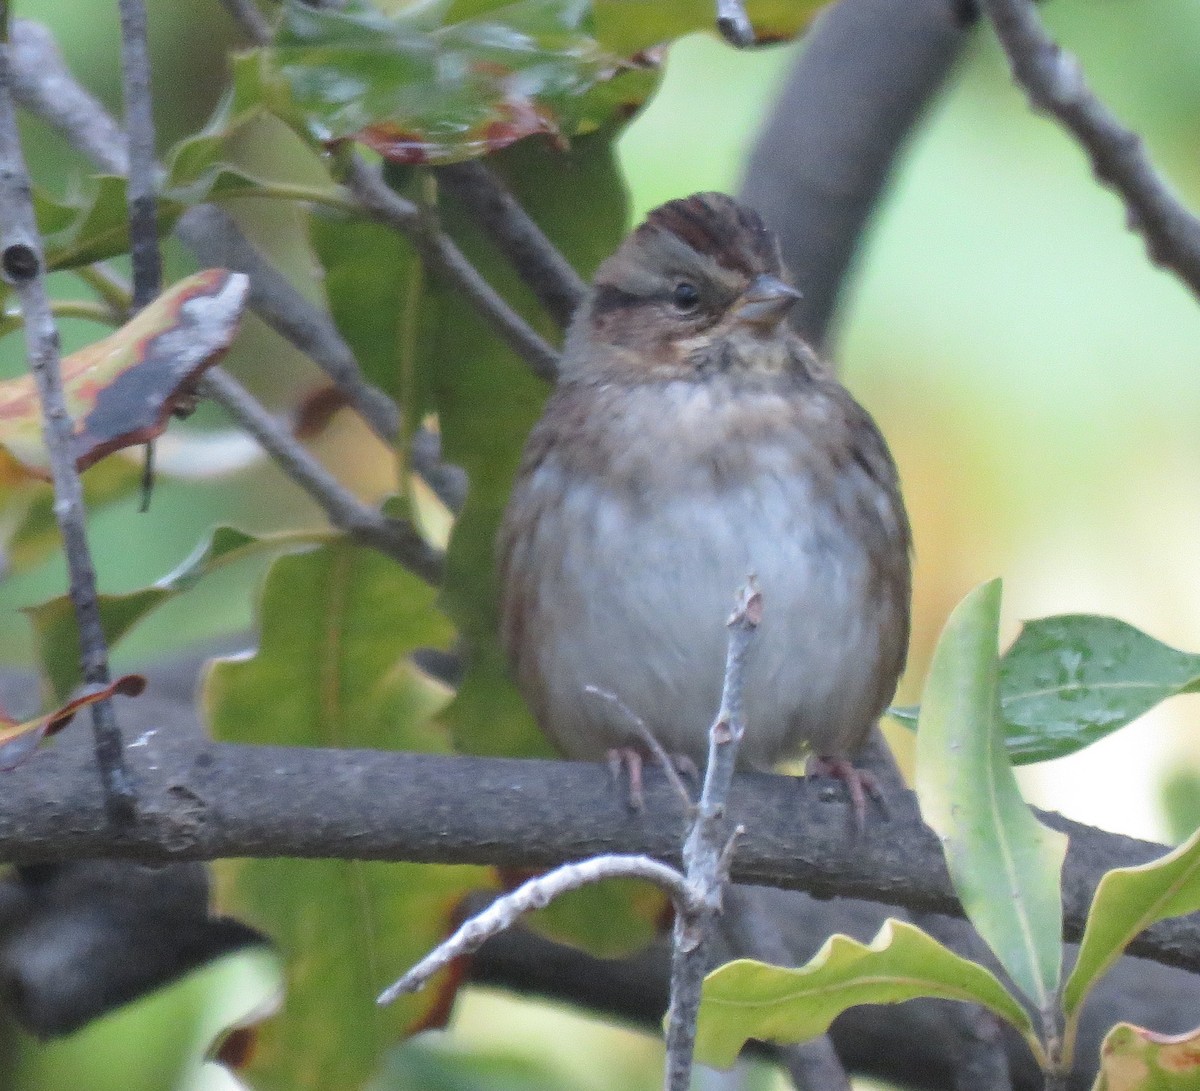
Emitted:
<point x="685" y="297"/>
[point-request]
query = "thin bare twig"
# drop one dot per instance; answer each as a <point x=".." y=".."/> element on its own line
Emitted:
<point x="534" y="257"/>
<point x="21" y="260"/>
<point x="535" y="894"/>
<point x="397" y="538"/>
<point x="1054" y="82"/>
<point x="42" y="83"/>
<point x="141" y="192"/>
<point x="707" y="850"/>
<point x="382" y="203"/>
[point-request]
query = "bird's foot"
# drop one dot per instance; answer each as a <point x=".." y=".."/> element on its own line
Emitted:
<point x="860" y="783"/>
<point x="625" y="764"/>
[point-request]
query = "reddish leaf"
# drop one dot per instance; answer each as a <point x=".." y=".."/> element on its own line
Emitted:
<point x="19" y="740"/>
<point x="122" y="390"/>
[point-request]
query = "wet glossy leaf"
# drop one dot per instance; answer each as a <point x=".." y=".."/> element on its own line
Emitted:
<point x="19" y="740"/>
<point x="1128" y="901"/>
<point x="337" y="627"/>
<point x="122" y="390"/>
<point x="1005" y="865"/>
<point x="746" y="999"/>
<point x="422" y="89"/>
<point x="1135" y="1059"/>
<point x="1069" y="681"/>
<point x="54" y="625"/>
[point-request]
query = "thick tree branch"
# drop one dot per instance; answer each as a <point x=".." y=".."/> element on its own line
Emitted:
<point x="1055" y="84"/>
<point x="23" y="265"/>
<point x="251" y="21"/>
<point x="223" y="800"/>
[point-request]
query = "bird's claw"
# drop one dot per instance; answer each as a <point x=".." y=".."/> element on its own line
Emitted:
<point x="860" y="783"/>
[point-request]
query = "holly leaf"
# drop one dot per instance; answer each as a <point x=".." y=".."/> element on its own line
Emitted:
<point x="122" y="390"/>
<point x="747" y="999"/>
<point x="435" y="85"/>
<point x="1005" y="865"/>
<point x="338" y="626"/>
<point x="1128" y="901"/>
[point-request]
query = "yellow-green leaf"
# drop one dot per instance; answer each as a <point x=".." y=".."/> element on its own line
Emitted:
<point x="1005" y="865"/>
<point x="747" y="999"/>
<point x="57" y="633"/>
<point x="338" y="625"/>
<point x="1127" y="901"/>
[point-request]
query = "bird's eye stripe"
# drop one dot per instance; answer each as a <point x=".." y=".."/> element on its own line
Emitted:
<point x="685" y="296"/>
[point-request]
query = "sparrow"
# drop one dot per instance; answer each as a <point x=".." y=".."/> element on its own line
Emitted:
<point x="692" y="440"/>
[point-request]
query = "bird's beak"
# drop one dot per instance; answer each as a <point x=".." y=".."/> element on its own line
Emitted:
<point x="765" y="303"/>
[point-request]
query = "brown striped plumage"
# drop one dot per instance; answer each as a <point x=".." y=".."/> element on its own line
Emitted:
<point x="694" y="439"/>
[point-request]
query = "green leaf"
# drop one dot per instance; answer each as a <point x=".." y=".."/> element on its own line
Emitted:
<point x="487" y="401"/>
<point x="34" y="530"/>
<point x="1069" y="681"/>
<point x="431" y="86"/>
<point x="57" y="634"/>
<point x="423" y="1065"/>
<point x="99" y="226"/>
<point x="338" y="625"/>
<point x="375" y="292"/>
<point x="1135" y="1059"/>
<point x="1128" y="901"/>
<point x="629" y="26"/>
<point x="747" y="999"/>
<point x="1006" y="866"/>
<point x="1180" y="801"/>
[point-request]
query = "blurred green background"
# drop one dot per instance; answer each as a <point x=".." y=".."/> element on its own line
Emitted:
<point x="1038" y="379"/>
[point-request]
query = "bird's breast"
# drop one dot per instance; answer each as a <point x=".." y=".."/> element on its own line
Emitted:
<point x="622" y="564"/>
